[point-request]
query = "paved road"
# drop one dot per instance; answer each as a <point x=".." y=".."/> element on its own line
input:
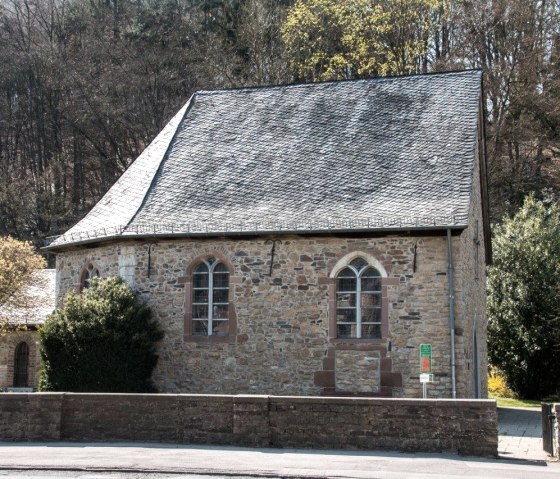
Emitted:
<point x="520" y="439"/>
<point x="158" y="460"/>
<point x="14" y="474"/>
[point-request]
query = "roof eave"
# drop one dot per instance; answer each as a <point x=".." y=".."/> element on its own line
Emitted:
<point x="236" y="234"/>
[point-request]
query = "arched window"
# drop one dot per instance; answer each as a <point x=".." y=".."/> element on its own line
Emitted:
<point x="88" y="273"/>
<point x="21" y="363"/>
<point x="358" y="301"/>
<point x="210" y="299"/>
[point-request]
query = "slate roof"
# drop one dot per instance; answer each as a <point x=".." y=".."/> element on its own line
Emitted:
<point x="354" y="155"/>
<point x="41" y="294"/>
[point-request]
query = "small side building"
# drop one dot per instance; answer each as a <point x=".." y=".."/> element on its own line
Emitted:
<point x="19" y="351"/>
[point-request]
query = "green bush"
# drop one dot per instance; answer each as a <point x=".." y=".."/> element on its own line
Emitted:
<point x="102" y="340"/>
<point x="497" y="385"/>
<point x="524" y="300"/>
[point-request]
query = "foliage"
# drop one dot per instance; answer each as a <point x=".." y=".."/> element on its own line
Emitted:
<point x="511" y="402"/>
<point x="18" y="262"/>
<point x="102" y="340"/>
<point x="86" y="85"/>
<point x="516" y="43"/>
<point x="524" y="300"/>
<point x="331" y="40"/>
<point x="497" y="385"/>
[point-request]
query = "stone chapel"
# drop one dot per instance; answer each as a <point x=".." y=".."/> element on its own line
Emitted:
<point x="306" y="239"/>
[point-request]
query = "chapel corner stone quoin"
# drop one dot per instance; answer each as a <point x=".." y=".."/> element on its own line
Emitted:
<point x="306" y="239"/>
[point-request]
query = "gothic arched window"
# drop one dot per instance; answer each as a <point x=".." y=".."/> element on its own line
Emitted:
<point x="210" y="299"/>
<point x="89" y="272"/>
<point x="358" y="301"/>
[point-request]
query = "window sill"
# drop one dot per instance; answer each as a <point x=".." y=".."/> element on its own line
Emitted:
<point x="358" y="340"/>
<point x="355" y="343"/>
<point x="209" y="339"/>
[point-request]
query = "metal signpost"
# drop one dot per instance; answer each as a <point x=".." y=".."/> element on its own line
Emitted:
<point x="425" y="367"/>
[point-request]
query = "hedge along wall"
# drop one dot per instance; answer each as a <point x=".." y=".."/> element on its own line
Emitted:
<point x="465" y="426"/>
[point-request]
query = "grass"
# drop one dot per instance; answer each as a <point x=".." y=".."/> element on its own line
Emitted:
<point x="510" y="402"/>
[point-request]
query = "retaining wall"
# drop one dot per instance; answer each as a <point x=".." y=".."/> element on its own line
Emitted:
<point x="468" y="427"/>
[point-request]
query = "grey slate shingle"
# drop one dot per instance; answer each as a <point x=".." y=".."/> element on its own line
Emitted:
<point x="41" y="293"/>
<point x="365" y="154"/>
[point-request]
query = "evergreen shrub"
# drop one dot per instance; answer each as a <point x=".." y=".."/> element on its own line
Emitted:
<point x="102" y="340"/>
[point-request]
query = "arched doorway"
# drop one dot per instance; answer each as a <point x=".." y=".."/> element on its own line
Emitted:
<point x="21" y="363"/>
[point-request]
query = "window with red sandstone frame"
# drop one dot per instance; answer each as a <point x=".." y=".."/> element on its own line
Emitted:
<point x="358" y="301"/>
<point x="210" y="299"/>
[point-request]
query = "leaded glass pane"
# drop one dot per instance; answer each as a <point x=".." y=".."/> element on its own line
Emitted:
<point x="200" y="296"/>
<point x="200" y="311"/>
<point x="200" y="280"/>
<point x="221" y="280"/>
<point x="346" y="284"/>
<point x="201" y="268"/>
<point x="220" y="268"/>
<point x="220" y="295"/>
<point x="346" y="273"/>
<point x="371" y="284"/>
<point x="371" y="331"/>
<point x="220" y="328"/>
<point x="371" y="315"/>
<point x="358" y="263"/>
<point x="371" y="273"/>
<point x="220" y="311"/>
<point x="346" y="315"/>
<point x="371" y="300"/>
<point x="346" y="330"/>
<point x="200" y="328"/>
<point x="345" y="300"/>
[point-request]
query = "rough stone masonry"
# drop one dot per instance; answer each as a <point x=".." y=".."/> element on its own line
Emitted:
<point x="460" y="426"/>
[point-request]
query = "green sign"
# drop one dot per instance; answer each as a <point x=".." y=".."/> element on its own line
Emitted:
<point x="426" y="358"/>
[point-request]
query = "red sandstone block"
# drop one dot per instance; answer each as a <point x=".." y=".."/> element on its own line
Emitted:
<point x="324" y="379"/>
<point x="391" y="379"/>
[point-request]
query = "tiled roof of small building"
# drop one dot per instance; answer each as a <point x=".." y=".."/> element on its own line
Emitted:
<point x="354" y="155"/>
<point x="39" y="301"/>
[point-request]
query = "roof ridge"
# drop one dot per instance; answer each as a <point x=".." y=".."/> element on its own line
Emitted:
<point x="379" y="79"/>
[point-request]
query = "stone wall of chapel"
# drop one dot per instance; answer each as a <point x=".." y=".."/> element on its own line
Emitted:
<point x="282" y="339"/>
<point x="470" y="293"/>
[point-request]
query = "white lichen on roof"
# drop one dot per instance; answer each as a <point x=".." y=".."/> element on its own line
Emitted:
<point x="38" y="303"/>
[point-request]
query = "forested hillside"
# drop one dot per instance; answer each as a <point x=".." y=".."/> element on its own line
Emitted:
<point x="86" y="84"/>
